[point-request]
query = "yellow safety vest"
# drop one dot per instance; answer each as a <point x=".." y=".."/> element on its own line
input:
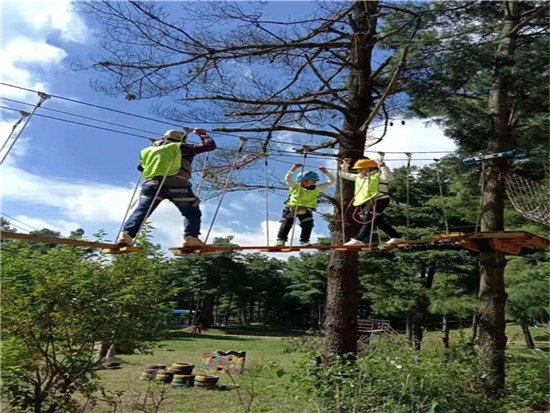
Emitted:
<point x="302" y="197"/>
<point x="366" y="188"/>
<point x="161" y="160"/>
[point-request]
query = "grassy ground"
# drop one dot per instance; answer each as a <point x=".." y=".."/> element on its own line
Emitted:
<point x="263" y="346"/>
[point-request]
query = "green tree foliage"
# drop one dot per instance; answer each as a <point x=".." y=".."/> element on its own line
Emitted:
<point x="57" y="306"/>
<point x="528" y="291"/>
<point x="307" y="274"/>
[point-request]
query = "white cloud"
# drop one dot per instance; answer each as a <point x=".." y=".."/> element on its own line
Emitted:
<point x="64" y="227"/>
<point x="415" y="136"/>
<point x="27" y="25"/>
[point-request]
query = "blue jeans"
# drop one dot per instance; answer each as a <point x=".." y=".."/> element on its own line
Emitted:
<point x="180" y="195"/>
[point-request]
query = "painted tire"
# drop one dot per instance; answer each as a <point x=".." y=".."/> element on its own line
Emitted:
<point x="206" y="381"/>
<point x="183" y="368"/>
<point x="183" y="380"/>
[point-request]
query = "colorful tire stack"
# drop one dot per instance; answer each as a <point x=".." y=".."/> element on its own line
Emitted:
<point x="206" y="381"/>
<point x="149" y="372"/>
<point x="183" y="380"/>
<point x="164" y="376"/>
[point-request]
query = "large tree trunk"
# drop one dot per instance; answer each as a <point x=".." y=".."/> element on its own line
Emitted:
<point x="445" y="332"/>
<point x="475" y="319"/>
<point x="343" y="278"/>
<point x="492" y="294"/>
<point x="207" y="310"/>
<point x="417" y="330"/>
<point x="527" y="335"/>
<point x="409" y="328"/>
<point x="228" y="311"/>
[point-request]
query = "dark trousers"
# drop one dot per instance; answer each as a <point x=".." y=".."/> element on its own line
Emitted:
<point x="366" y="216"/>
<point x="306" y="222"/>
<point x="180" y="195"/>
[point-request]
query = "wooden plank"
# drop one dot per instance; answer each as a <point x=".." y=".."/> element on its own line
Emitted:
<point x="501" y="235"/>
<point x="61" y="241"/>
<point x="469" y="241"/>
<point x="120" y="250"/>
<point x="505" y="245"/>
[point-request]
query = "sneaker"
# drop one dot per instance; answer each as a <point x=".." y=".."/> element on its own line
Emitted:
<point x="280" y="243"/>
<point x="124" y="240"/>
<point x="396" y="241"/>
<point x="354" y="243"/>
<point x="305" y="243"/>
<point x="190" y="241"/>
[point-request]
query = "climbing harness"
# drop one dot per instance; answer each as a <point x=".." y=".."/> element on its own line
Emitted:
<point x="43" y="96"/>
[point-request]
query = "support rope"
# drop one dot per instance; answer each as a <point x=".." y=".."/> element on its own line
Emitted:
<point x="266" y="199"/>
<point x="441" y="195"/>
<point x="203" y="173"/>
<point x="226" y="186"/>
<point x="129" y="206"/>
<point x="306" y="149"/>
<point x="22" y="115"/>
<point x="342" y="209"/>
<point x="482" y="185"/>
<point x="43" y="97"/>
<point x="408" y="154"/>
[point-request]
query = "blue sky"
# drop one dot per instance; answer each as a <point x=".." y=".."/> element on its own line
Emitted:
<point x="64" y="176"/>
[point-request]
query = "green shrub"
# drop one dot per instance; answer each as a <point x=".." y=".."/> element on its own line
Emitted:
<point x="391" y="377"/>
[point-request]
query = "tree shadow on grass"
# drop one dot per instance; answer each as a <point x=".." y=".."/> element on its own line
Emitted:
<point x="184" y="335"/>
<point x="261" y="331"/>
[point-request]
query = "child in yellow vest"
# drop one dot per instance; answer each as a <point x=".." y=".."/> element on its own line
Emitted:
<point x="371" y="196"/>
<point x="301" y="202"/>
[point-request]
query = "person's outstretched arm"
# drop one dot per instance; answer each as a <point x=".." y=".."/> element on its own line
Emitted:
<point x="385" y="172"/>
<point x="344" y="167"/>
<point x="330" y="177"/>
<point x="206" y="145"/>
<point x="288" y="177"/>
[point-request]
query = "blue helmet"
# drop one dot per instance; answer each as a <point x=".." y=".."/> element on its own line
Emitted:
<point x="307" y="176"/>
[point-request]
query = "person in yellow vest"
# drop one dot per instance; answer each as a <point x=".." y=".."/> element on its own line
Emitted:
<point x="302" y="201"/>
<point x="372" y="197"/>
<point x="169" y="157"/>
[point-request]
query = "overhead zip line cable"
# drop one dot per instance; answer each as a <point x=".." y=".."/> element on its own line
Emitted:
<point x="163" y="121"/>
<point x="42" y="97"/>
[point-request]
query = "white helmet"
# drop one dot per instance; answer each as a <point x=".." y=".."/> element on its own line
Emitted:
<point x="175" y="135"/>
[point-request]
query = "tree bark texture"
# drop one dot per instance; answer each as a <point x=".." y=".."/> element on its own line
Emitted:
<point x="492" y="295"/>
<point x="343" y="277"/>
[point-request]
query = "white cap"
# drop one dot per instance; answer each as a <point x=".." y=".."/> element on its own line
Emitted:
<point x="175" y="135"/>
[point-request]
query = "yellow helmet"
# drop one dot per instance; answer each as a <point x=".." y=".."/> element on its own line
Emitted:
<point x="365" y="163"/>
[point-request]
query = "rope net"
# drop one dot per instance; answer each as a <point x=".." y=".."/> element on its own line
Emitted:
<point x="530" y="198"/>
